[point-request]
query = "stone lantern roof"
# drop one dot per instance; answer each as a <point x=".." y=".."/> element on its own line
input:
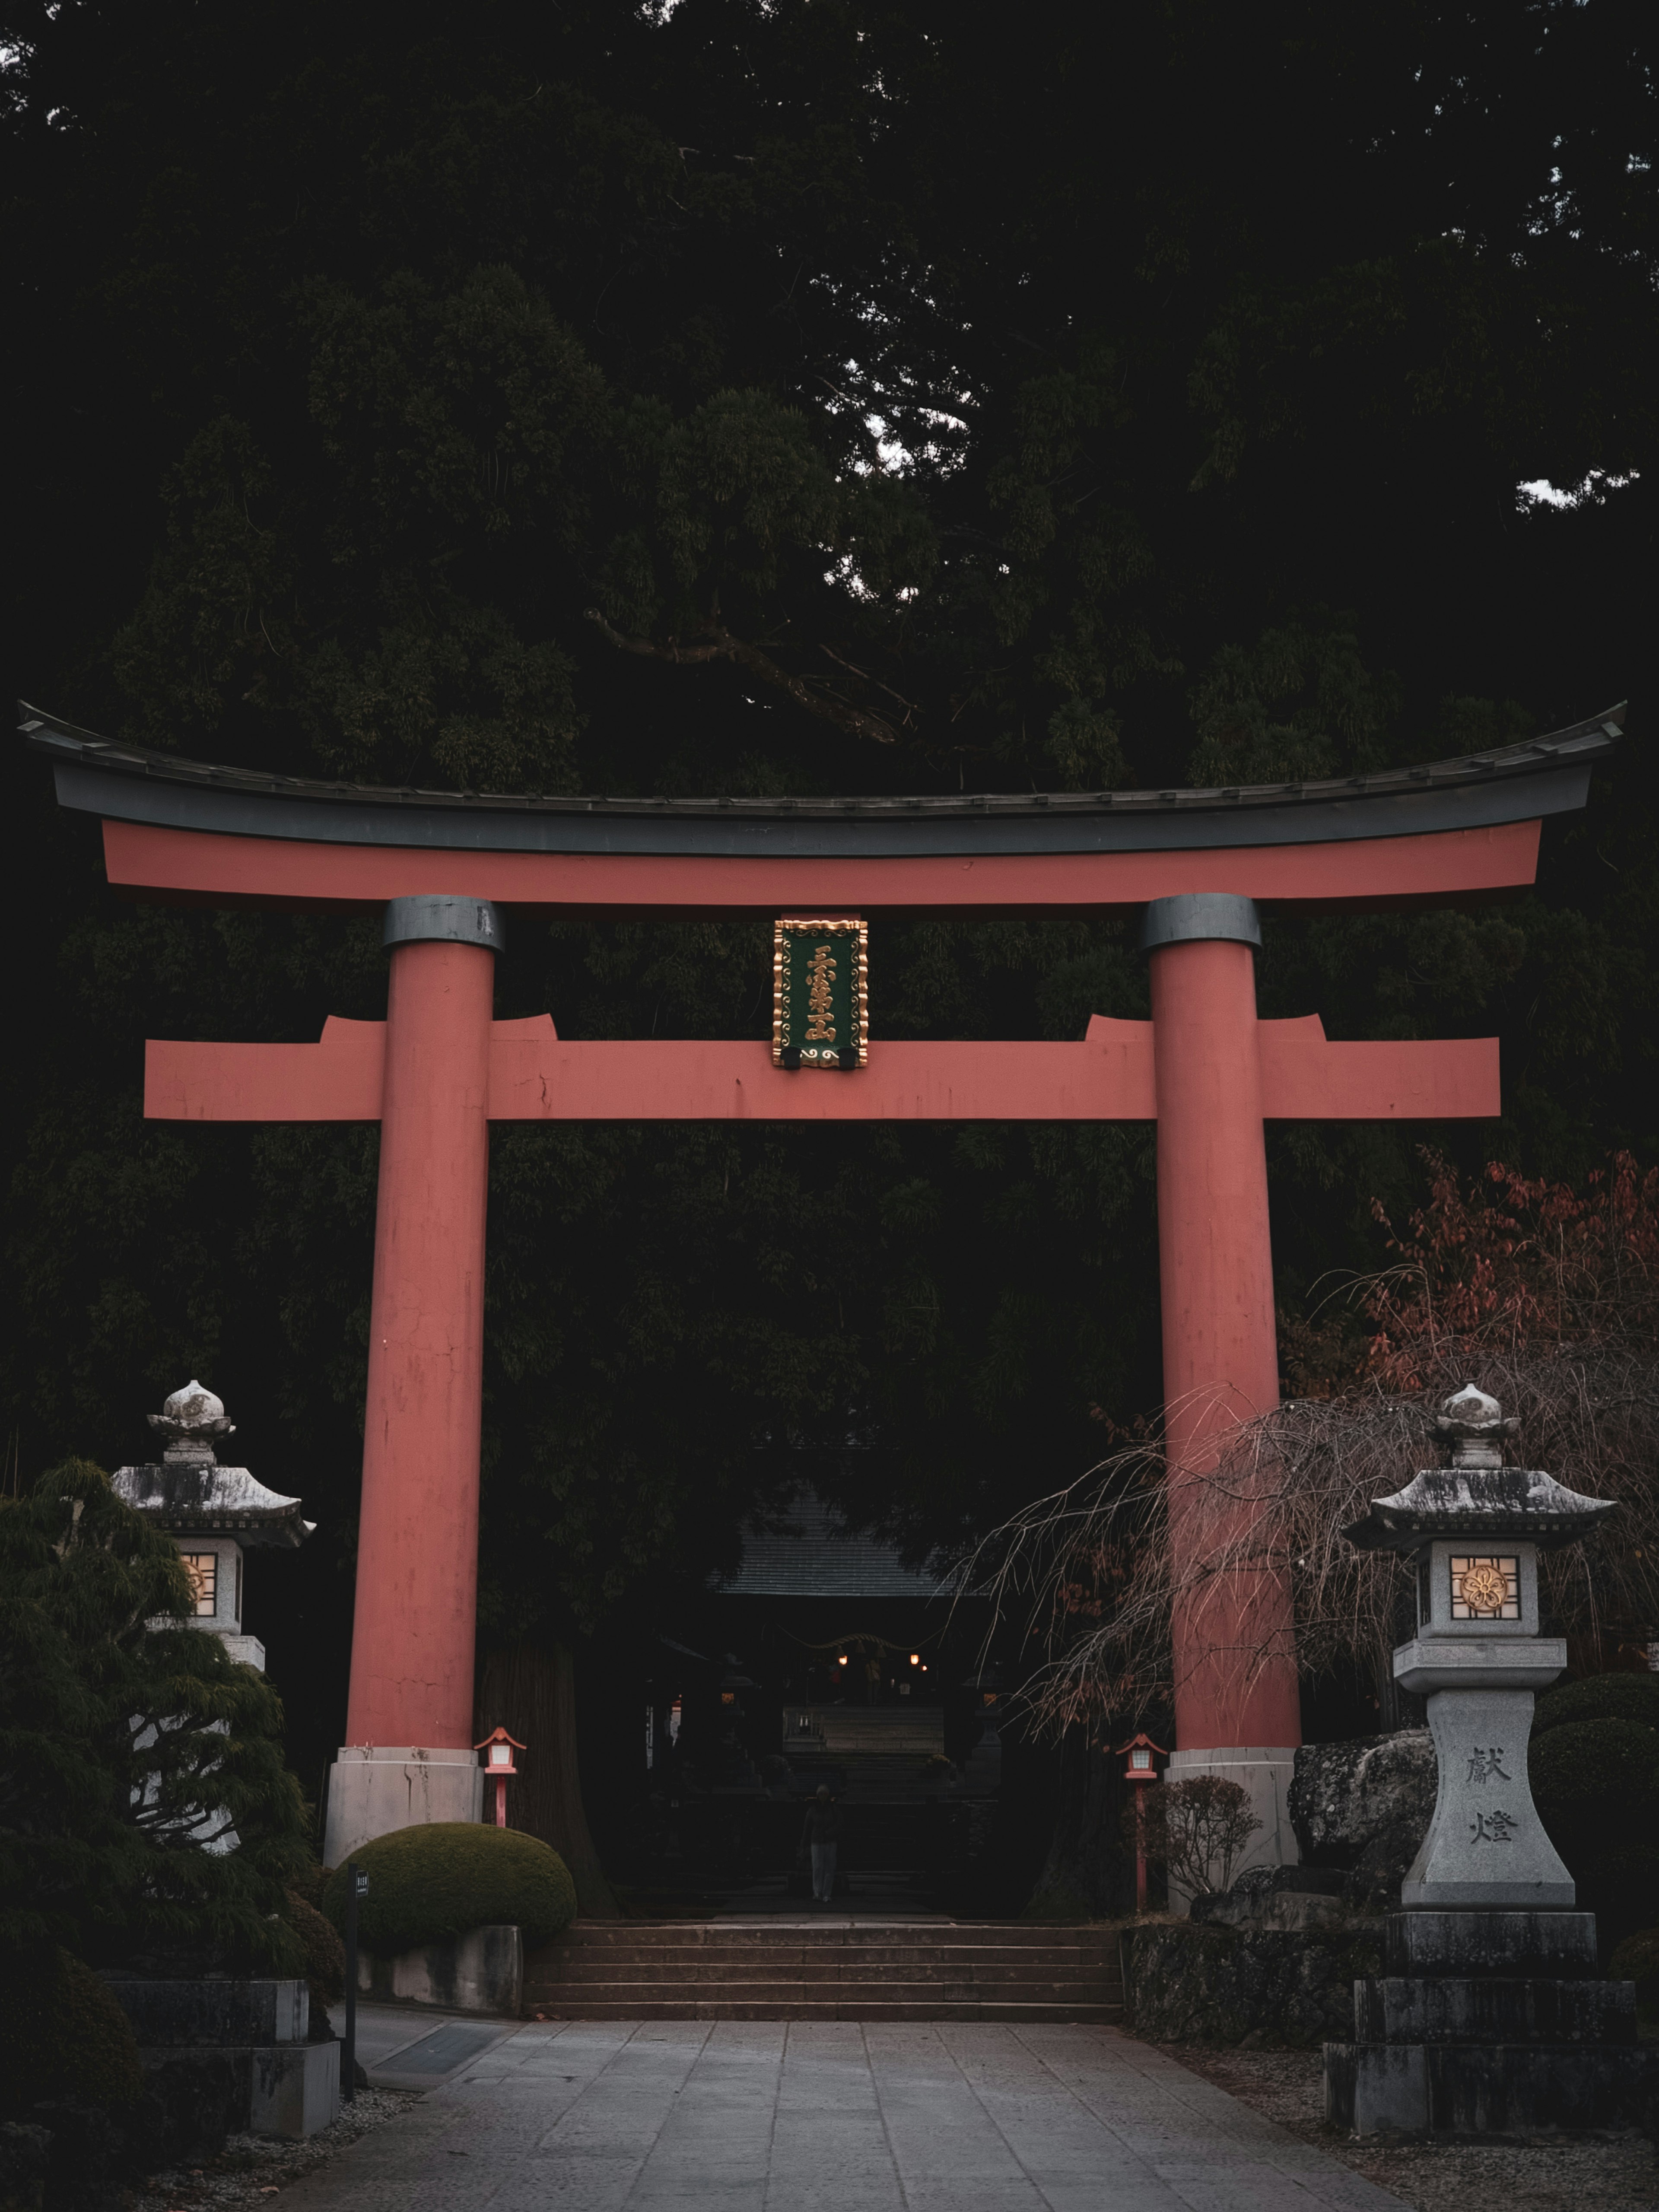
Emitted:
<point x="190" y="1494"/>
<point x="1476" y="1495"/>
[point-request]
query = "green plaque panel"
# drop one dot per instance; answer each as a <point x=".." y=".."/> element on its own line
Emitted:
<point x="820" y="993"/>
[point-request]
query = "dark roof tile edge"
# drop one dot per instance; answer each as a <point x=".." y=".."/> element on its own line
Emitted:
<point x="1573" y="748"/>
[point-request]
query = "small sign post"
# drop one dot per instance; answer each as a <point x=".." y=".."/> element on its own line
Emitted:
<point x="357" y="1886"/>
<point x="820" y="993"/>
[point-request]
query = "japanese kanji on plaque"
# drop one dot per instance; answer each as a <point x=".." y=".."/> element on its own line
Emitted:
<point x="820" y="993"/>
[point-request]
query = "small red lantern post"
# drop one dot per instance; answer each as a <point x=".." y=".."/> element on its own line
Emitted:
<point x="1139" y="1769"/>
<point x="500" y="1747"/>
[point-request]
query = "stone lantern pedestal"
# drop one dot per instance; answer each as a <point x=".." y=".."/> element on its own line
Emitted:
<point x="1489" y="2018"/>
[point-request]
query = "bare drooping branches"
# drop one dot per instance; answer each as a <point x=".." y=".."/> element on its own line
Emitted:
<point x="1544" y="1298"/>
<point x="1087" y="1571"/>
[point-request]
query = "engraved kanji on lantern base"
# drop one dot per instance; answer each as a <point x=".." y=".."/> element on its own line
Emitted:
<point x="1488" y="2018"/>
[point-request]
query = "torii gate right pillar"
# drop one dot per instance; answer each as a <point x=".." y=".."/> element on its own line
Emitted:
<point x="1233" y="1630"/>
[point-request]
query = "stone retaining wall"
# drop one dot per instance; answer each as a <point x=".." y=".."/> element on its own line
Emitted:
<point x="1189" y="1981"/>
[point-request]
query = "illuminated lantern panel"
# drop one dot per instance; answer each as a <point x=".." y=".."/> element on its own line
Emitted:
<point x="1486" y="1588"/>
<point x="202" y="1569"/>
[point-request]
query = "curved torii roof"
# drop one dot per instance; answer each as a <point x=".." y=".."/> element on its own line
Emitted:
<point x="1509" y="783"/>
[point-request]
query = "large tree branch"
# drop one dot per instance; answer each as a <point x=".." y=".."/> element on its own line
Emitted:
<point x="722" y="646"/>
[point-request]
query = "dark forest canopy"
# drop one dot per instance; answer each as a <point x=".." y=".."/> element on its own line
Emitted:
<point x="803" y="397"/>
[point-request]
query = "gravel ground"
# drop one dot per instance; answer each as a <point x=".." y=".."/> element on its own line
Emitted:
<point x="1614" y="2173"/>
<point x="250" y="2168"/>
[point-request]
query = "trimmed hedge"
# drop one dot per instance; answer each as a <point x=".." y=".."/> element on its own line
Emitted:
<point x="1599" y="1698"/>
<point x="63" y="2036"/>
<point x="428" y="1883"/>
<point x="1595" y="1783"/>
<point x="1595" y="1774"/>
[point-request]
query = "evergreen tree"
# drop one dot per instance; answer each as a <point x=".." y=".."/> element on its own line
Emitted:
<point x="144" y="1805"/>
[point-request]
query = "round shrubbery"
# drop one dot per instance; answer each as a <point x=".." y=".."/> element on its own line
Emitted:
<point x="62" y="2035"/>
<point x="445" y="1877"/>
<point x="1595" y="1783"/>
<point x="1599" y="1698"/>
<point x="1594" y="1773"/>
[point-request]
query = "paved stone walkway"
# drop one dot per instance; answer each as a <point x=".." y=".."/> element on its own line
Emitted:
<point x="827" y="2117"/>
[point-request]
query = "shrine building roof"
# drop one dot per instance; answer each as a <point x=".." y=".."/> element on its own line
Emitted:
<point x="1503" y="784"/>
<point x="809" y="1552"/>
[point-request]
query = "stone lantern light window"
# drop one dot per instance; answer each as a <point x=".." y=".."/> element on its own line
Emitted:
<point x="1486" y="1588"/>
<point x="202" y="1569"/>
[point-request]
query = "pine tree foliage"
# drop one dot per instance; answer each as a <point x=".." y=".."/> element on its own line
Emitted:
<point x="144" y="1804"/>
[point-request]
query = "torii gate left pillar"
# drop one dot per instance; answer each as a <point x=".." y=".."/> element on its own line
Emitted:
<point x="408" y="1755"/>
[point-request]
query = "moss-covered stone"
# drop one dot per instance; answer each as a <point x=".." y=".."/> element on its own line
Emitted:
<point x="63" y="2036"/>
<point x="1191" y="1982"/>
<point x="440" y="1879"/>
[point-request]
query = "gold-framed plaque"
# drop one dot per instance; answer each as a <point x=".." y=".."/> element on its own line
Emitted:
<point x="820" y="993"/>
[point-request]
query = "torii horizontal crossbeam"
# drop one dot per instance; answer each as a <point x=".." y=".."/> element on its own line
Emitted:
<point x="535" y="1076"/>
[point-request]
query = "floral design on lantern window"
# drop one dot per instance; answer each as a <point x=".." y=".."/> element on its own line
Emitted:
<point x="202" y="1569"/>
<point x="1485" y="1589"/>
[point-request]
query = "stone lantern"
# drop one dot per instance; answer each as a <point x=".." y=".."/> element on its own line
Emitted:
<point x="1488" y="2018"/>
<point x="213" y="1513"/>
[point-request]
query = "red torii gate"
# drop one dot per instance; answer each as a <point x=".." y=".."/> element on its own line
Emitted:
<point x="438" y="1069"/>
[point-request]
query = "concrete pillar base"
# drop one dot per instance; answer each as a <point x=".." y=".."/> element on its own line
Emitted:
<point x="374" y="1788"/>
<point x="481" y="1971"/>
<point x="1265" y="1773"/>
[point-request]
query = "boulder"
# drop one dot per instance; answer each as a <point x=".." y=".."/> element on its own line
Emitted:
<point x="1365" y="1806"/>
<point x="1283" y="1897"/>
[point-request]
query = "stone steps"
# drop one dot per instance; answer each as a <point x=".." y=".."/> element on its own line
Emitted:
<point x="833" y="1933"/>
<point x="765" y="1967"/>
<point x="866" y="2009"/>
<point x="929" y="1970"/>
